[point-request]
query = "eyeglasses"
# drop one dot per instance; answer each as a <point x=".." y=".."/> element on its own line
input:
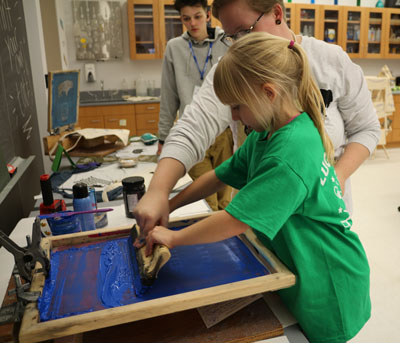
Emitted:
<point x="228" y="40"/>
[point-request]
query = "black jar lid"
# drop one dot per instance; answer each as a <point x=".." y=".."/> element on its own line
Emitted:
<point x="133" y="182"/>
<point x="80" y="190"/>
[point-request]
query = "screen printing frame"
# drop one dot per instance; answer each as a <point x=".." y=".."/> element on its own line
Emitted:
<point x="32" y="330"/>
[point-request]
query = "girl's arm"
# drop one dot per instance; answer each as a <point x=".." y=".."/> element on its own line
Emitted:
<point x="217" y="227"/>
<point x="201" y="188"/>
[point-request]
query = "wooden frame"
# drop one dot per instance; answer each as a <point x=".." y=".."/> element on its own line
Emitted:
<point x="63" y="107"/>
<point x="33" y="331"/>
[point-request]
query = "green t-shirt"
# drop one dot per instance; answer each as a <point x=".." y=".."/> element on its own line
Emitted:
<point x="290" y="196"/>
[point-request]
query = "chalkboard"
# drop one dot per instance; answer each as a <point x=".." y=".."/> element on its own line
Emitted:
<point x="19" y="132"/>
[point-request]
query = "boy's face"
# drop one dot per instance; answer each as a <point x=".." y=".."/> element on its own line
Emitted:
<point x="195" y="19"/>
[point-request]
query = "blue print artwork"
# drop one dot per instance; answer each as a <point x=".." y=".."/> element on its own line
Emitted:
<point x="64" y="98"/>
<point x="96" y="276"/>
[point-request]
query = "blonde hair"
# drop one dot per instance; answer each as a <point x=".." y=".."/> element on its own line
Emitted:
<point x="260" y="6"/>
<point x="258" y="59"/>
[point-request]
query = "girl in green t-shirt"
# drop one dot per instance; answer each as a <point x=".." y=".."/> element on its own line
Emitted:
<point x="288" y="190"/>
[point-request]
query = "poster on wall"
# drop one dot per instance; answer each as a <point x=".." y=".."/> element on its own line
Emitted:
<point x="63" y="100"/>
<point x="97" y="29"/>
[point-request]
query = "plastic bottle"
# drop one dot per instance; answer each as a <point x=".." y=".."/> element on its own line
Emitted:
<point x="141" y="86"/>
<point x="83" y="202"/>
<point x="378" y="35"/>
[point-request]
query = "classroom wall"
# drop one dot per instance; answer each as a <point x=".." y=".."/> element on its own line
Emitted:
<point x="114" y="72"/>
<point x="37" y="54"/>
<point x="111" y="72"/>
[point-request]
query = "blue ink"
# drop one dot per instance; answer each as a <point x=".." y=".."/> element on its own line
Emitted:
<point x="96" y="276"/>
<point x="115" y="284"/>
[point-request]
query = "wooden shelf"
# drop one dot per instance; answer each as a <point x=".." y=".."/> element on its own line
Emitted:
<point x="375" y="21"/>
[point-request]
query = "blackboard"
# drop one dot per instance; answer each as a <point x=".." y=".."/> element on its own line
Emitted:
<point x="19" y="132"/>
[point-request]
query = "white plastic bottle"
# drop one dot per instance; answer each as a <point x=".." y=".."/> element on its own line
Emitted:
<point x="141" y="86"/>
<point x="378" y="35"/>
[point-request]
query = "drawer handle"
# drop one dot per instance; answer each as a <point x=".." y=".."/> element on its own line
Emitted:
<point x="150" y="108"/>
<point x="151" y="121"/>
<point x="113" y="119"/>
<point x="95" y="121"/>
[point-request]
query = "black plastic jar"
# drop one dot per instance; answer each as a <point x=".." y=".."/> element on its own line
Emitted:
<point x="133" y="189"/>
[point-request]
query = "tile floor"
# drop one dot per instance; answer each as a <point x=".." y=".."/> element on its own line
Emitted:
<point x="376" y="219"/>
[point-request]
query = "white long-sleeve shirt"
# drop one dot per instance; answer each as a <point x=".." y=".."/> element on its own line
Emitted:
<point x="351" y="116"/>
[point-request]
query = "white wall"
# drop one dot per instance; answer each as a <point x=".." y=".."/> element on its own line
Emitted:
<point x="372" y="67"/>
<point x="33" y="21"/>
<point x="111" y="72"/>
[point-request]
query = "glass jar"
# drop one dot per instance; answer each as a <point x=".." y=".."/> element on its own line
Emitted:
<point x="133" y="189"/>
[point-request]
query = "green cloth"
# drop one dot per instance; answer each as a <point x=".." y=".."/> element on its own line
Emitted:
<point x="290" y="196"/>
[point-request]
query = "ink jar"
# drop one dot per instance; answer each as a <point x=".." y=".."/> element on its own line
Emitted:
<point x="133" y="189"/>
<point x="64" y="225"/>
<point x="83" y="202"/>
<point x="100" y="219"/>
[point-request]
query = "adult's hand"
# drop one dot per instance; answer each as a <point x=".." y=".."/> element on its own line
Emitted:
<point x="152" y="210"/>
<point x="354" y="155"/>
<point x="159" y="149"/>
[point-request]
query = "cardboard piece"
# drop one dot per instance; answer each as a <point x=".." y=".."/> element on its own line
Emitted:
<point x="213" y="314"/>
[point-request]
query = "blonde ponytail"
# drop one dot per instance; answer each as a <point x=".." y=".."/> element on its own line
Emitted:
<point x="260" y="58"/>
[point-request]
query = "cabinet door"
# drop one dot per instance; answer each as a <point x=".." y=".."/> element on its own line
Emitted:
<point x="307" y="20"/>
<point x="331" y="22"/>
<point x="392" y="33"/>
<point x="147" y="118"/>
<point x="373" y="28"/>
<point x="289" y="13"/>
<point x="91" y="122"/>
<point x="144" y="29"/>
<point x="170" y="23"/>
<point x="120" y="121"/>
<point x="353" y="33"/>
<point x="146" y="122"/>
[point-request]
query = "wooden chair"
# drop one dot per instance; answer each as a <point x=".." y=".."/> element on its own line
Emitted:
<point x="382" y="99"/>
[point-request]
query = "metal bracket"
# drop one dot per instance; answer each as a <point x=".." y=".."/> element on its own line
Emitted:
<point x="26" y="258"/>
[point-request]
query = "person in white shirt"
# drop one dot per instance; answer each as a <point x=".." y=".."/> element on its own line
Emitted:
<point x="351" y="121"/>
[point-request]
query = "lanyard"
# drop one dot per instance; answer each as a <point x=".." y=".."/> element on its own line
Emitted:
<point x="197" y="63"/>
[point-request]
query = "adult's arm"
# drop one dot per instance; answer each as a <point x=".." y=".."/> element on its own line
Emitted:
<point x="361" y="123"/>
<point x="153" y="208"/>
<point x="354" y="155"/>
<point x="201" y="122"/>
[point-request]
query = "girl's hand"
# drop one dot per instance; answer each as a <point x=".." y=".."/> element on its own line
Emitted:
<point x="159" y="235"/>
